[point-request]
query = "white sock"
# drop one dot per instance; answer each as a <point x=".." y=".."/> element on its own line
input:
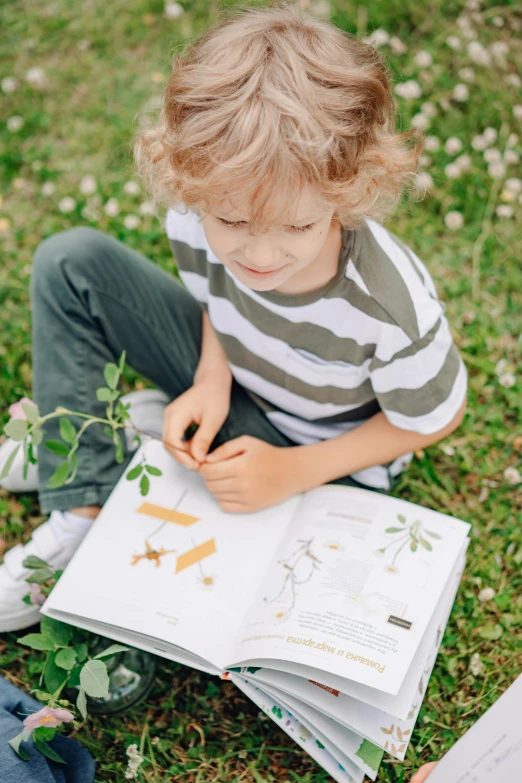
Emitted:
<point x="66" y="524"/>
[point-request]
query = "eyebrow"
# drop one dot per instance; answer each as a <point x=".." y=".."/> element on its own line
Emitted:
<point x="303" y="221"/>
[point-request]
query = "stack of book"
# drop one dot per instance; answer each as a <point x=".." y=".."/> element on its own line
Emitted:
<point x="327" y="610"/>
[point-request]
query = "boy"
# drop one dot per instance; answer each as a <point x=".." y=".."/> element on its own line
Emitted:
<point x="308" y="343"/>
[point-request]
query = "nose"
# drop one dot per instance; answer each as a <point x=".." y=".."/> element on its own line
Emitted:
<point x="261" y="253"/>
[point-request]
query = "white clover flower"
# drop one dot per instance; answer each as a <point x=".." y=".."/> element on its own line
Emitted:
<point x="48" y="189"/>
<point x="88" y="184"/>
<point x="461" y="92"/>
<point x="131" y="188"/>
<point x="444" y="104"/>
<point x="490" y="134"/>
<point x="491" y="155"/>
<point x="397" y="46"/>
<point x="486" y="594"/>
<point x="135" y="760"/>
<point x="514" y="184"/>
<point x="517" y="112"/>
<point x="377" y="38"/>
<point x="513" y="79"/>
<point x="112" y="207"/>
<point x="507" y="380"/>
<point x="448" y="450"/>
<point x="454" y="220"/>
<point x="431" y="143"/>
<point x="424" y="161"/>
<point x="409" y="89"/>
<point x="36" y="77"/>
<point x="464" y="161"/>
<point x="497" y="169"/>
<point x="452" y="170"/>
<point x="475" y="665"/>
<point x="452" y="145"/>
<point x="67" y="205"/>
<point x="90" y="213"/>
<point x="9" y="84"/>
<point x="429" y="109"/>
<point x="512" y="476"/>
<point x="511" y="140"/>
<point x="14" y="123"/>
<point x="131" y="221"/>
<point x="499" y="50"/>
<point x="84" y="44"/>
<point x="501" y="366"/>
<point x="147" y="208"/>
<point x="511" y="157"/>
<point x="467" y="74"/>
<point x="36" y="165"/>
<point x="420" y="121"/>
<point x="423" y="59"/>
<point x="478" y="53"/>
<point x="498" y="21"/>
<point x="423" y="181"/>
<point x="454" y="42"/>
<point x="479" y="143"/>
<point x="173" y="10"/>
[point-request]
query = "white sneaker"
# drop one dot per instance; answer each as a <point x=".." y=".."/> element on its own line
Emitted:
<point x="54" y="541"/>
<point x="146" y="410"/>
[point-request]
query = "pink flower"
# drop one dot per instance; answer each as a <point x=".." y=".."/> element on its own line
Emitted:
<point x="47" y="717"/>
<point x="16" y="410"/>
<point x="36" y="595"/>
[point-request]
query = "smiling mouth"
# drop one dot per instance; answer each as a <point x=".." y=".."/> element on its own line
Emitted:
<point x="259" y="271"/>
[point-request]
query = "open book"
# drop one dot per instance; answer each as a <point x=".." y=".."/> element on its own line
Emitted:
<point x="327" y="610"/>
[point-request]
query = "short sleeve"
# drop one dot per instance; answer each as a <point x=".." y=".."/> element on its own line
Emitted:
<point x="423" y="385"/>
<point x="184" y="235"/>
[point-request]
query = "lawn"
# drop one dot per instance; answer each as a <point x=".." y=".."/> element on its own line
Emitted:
<point x="76" y="79"/>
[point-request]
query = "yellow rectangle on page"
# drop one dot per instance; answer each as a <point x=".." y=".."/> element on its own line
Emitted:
<point x="167" y="514"/>
<point x="195" y="555"/>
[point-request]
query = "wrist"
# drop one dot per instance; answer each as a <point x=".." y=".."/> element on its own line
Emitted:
<point x="303" y="468"/>
<point x="216" y="372"/>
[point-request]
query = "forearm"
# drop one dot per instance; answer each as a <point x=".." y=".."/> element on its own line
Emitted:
<point x="213" y="361"/>
<point x="375" y="442"/>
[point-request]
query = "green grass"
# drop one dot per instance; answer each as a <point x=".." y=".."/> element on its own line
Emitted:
<point x="193" y="727"/>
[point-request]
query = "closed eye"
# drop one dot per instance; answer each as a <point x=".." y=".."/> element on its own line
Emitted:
<point x="242" y="222"/>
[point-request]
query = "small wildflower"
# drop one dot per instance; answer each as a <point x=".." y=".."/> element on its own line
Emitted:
<point x="448" y="450"/>
<point x="497" y="169"/>
<point x="511" y="157"/>
<point x="131" y="188"/>
<point x="491" y="155"/>
<point x="478" y="53"/>
<point x="501" y="366"/>
<point x="135" y="760"/>
<point x="452" y="171"/>
<point x="420" y="121"/>
<point x="507" y="380"/>
<point x="517" y="111"/>
<point x="397" y="46"/>
<point x="83" y="45"/>
<point x="423" y="181"/>
<point x="499" y="50"/>
<point x="431" y="143"/>
<point x="48" y="189"/>
<point x="452" y="145"/>
<point x="173" y="10"/>
<point x="475" y="665"/>
<point x="47" y="717"/>
<point x="16" y="411"/>
<point x="88" y="184"/>
<point x="423" y="59"/>
<point x="454" y="220"/>
<point x="377" y="38"/>
<point x="67" y="205"/>
<point x="409" y="89"/>
<point x="131" y="221"/>
<point x="112" y="207"/>
<point x="467" y="74"/>
<point x="429" y="109"/>
<point x="514" y="184"/>
<point x="479" y="143"/>
<point x="513" y="79"/>
<point x="512" y="476"/>
<point x="36" y="78"/>
<point x="464" y="161"/>
<point x="14" y="123"/>
<point x="511" y="140"/>
<point x="36" y="595"/>
<point x="498" y="21"/>
<point x="9" y="84"/>
<point x="5" y="225"/>
<point x="454" y="42"/>
<point x="425" y="161"/>
<point x="147" y="208"/>
<point x="445" y="104"/>
<point x="461" y="92"/>
<point x="486" y="594"/>
<point x="490" y="134"/>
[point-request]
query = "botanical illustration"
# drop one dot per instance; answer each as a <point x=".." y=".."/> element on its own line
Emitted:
<point x="298" y="569"/>
<point x="411" y="535"/>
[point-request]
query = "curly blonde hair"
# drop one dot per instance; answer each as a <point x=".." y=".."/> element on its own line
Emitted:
<point x="269" y="100"/>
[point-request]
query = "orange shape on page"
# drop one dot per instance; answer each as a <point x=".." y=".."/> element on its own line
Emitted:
<point x="167" y="514"/>
<point x="195" y="555"/>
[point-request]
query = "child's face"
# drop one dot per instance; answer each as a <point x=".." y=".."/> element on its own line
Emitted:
<point x="266" y="262"/>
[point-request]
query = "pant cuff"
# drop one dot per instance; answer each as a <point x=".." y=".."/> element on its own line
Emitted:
<point x="74" y="498"/>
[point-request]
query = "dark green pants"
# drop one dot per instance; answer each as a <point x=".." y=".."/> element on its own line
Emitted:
<point x="93" y="297"/>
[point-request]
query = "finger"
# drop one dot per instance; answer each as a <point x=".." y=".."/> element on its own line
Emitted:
<point x="232" y="507"/>
<point x="222" y="485"/>
<point x="226" y="468"/>
<point x="424" y="772"/>
<point x="229" y="449"/>
<point x="183" y="457"/>
<point x="200" y="442"/>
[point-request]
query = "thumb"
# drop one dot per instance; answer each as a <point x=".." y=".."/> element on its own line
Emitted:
<point x="200" y="442"/>
<point x="227" y="450"/>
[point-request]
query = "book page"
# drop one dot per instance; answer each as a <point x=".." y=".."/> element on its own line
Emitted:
<point x="491" y="750"/>
<point x="353" y="586"/>
<point x="171" y="565"/>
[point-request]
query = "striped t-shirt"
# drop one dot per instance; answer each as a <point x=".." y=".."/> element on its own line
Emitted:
<point x="374" y="338"/>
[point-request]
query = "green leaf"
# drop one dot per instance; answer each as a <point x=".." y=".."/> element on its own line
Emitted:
<point x="413" y="545"/>
<point x="104" y="394"/>
<point x="65" y="658"/>
<point x="45" y="733"/>
<point x="144" y="484"/>
<point x="81" y="703"/>
<point x="37" y="436"/>
<point x="73" y="680"/>
<point x="56" y="630"/>
<point x="46" y="750"/>
<point x="433" y="535"/>
<point x="118" y="448"/>
<point x="491" y="632"/>
<point x="111" y="375"/>
<point x="32" y="414"/>
<point x="59" y="476"/>
<point x="67" y="431"/>
<point x="112" y="650"/>
<point x="108" y="431"/>
<point x="41" y="695"/>
<point x="121" y="363"/>
<point x="153" y="471"/>
<point x="277" y="712"/>
<point x="37" y="641"/>
<point x="40" y="576"/>
<point x="134" y="473"/>
<point x="27" y="600"/>
<point x="16" y="429"/>
<point x="94" y="679"/>
<point x="401" y="518"/>
<point x="81" y="652"/>
<point x="15" y="744"/>
<point x="57" y="447"/>
<point x="31" y="561"/>
<point x="54" y="677"/>
<point x="370" y="754"/>
<point x="394" y="530"/>
<point x="9" y="462"/>
<point x="425" y="544"/>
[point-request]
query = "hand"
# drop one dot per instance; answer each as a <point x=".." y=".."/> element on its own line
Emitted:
<point x="206" y="404"/>
<point x="247" y="474"/>
<point x="424" y="772"/>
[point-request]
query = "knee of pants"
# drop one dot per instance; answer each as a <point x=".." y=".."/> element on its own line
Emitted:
<point x="70" y="251"/>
